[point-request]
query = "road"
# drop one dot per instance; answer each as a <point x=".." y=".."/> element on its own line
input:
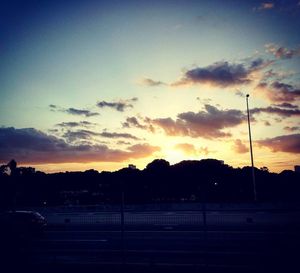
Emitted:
<point x="163" y="243"/>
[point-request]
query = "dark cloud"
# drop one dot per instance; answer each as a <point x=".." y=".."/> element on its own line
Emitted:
<point x="281" y="52"/>
<point x="72" y="124"/>
<point x="172" y="127"/>
<point x="150" y="82"/>
<point x="292" y="129"/>
<point x="276" y="110"/>
<point x="30" y="146"/>
<point x="72" y="136"/>
<point x="119" y="106"/>
<point x="207" y="124"/>
<point x="133" y="122"/>
<point x="28" y="138"/>
<point x="240" y="147"/>
<point x="270" y="74"/>
<point x="286" y="105"/>
<point x="277" y="75"/>
<point x="118" y="135"/>
<point x="72" y="111"/>
<point x="204" y="100"/>
<point x="285" y="143"/>
<point x="239" y="94"/>
<point x="141" y="123"/>
<point x="81" y="112"/>
<point x="256" y="64"/>
<point x="222" y="74"/>
<point x="53" y="130"/>
<point x="278" y="92"/>
<point x="122" y="142"/>
<point x="53" y="108"/>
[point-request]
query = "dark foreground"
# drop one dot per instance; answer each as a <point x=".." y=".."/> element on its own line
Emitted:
<point x="156" y="245"/>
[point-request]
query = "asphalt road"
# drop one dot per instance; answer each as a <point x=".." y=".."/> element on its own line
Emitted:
<point x="162" y="246"/>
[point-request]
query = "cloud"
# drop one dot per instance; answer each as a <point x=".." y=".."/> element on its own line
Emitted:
<point x="187" y="148"/>
<point x="150" y="82"/>
<point x="72" y="124"/>
<point x="278" y="75"/>
<point x="30" y="146"/>
<point x="265" y="6"/>
<point x="172" y="127"/>
<point x="72" y="111"/>
<point x="190" y="149"/>
<point x="282" y="52"/>
<point x="276" y="110"/>
<point x="204" y="150"/>
<point x="278" y="92"/>
<point x="72" y="136"/>
<point x="286" y="105"/>
<point x="118" y="135"/>
<point x="284" y="143"/>
<point x="122" y="142"/>
<point x="53" y="131"/>
<point x="142" y="150"/>
<point x="204" y="100"/>
<point x="239" y="94"/>
<point x="133" y="122"/>
<point x="81" y="112"/>
<point x="223" y="74"/>
<point x="207" y="124"/>
<point x="292" y="129"/>
<point x="240" y="147"/>
<point x="119" y="106"/>
<point x="52" y="107"/>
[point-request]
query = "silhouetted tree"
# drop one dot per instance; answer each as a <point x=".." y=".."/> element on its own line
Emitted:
<point x="13" y="167"/>
<point x="158" y="165"/>
<point x="189" y="181"/>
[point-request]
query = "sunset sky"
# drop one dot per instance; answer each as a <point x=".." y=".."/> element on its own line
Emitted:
<point x="104" y="84"/>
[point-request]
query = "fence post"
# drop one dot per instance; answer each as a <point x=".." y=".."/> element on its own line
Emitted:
<point x="123" y="228"/>
<point x="203" y="201"/>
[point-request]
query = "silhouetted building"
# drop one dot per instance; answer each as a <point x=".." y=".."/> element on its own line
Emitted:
<point x="297" y="168"/>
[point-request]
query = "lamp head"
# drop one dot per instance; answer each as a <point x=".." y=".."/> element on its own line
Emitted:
<point x="247" y="96"/>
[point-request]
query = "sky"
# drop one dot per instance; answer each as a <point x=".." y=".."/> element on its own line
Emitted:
<point x="103" y="84"/>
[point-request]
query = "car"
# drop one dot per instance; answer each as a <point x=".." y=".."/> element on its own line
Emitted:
<point x="22" y="223"/>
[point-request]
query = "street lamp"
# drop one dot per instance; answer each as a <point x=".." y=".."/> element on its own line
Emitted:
<point x="251" y="152"/>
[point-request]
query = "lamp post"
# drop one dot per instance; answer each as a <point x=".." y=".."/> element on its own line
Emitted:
<point x="251" y="152"/>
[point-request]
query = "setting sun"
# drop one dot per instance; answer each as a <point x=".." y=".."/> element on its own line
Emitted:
<point x="103" y="84"/>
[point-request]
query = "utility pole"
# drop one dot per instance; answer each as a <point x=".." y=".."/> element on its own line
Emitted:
<point x="251" y="151"/>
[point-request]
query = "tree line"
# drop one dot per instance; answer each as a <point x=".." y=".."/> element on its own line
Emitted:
<point x="206" y="180"/>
